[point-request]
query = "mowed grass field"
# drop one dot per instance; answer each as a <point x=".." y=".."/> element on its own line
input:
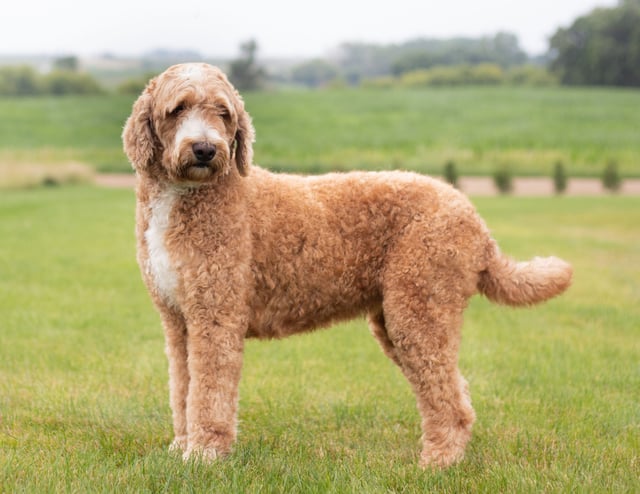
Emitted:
<point x="83" y="380"/>
<point x="480" y="129"/>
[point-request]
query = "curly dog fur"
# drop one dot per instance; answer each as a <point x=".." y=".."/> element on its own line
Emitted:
<point x="229" y="250"/>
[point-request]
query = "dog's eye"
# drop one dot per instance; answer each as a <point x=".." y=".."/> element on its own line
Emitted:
<point x="177" y="110"/>
<point x="224" y="112"/>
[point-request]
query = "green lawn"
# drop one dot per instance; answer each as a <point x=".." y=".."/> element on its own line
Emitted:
<point x="84" y="400"/>
<point x="480" y="129"/>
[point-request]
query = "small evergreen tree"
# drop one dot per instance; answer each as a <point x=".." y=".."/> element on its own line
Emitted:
<point x="503" y="179"/>
<point x="245" y="73"/>
<point x="450" y="173"/>
<point x="67" y="64"/>
<point x="611" y="177"/>
<point x="559" y="178"/>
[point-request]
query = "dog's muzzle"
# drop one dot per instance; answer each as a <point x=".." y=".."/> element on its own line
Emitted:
<point x="204" y="152"/>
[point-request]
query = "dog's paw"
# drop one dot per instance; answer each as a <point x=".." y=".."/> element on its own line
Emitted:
<point x="178" y="445"/>
<point x="446" y="452"/>
<point x="436" y="460"/>
<point x="205" y="455"/>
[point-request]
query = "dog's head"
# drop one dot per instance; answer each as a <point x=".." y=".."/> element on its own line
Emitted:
<point x="189" y="125"/>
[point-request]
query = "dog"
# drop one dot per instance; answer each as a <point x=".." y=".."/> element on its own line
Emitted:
<point x="230" y="251"/>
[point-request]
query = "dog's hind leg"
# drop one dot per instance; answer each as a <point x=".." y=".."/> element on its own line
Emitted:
<point x="423" y="324"/>
<point x="379" y="331"/>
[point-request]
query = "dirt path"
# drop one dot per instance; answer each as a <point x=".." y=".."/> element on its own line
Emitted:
<point x="541" y="186"/>
<point x="473" y="186"/>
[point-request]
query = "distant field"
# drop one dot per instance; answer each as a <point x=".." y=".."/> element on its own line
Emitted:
<point x="83" y="376"/>
<point x="480" y="129"/>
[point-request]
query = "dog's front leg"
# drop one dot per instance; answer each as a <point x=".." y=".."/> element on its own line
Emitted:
<point x="175" y="335"/>
<point x="214" y="344"/>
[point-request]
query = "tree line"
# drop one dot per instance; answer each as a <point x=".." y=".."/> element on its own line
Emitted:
<point x="602" y="48"/>
<point x="64" y="78"/>
<point x="599" y="48"/>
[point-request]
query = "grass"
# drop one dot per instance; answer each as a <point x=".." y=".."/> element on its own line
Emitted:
<point x="83" y="393"/>
<point x="61" y="129"/>
<point x="480" y="129"/>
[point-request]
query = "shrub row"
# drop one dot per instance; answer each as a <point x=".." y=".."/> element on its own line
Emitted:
<point x="26" y="81"/>
<point x="459" y="75"/>
<point x="503" y="177"/>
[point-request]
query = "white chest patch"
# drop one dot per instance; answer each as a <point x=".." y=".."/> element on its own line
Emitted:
<point x="159" y="265"/>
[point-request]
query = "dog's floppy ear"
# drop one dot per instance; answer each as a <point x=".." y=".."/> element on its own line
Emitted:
<point x="138" y="136"/>
<point x="244" y="138"/>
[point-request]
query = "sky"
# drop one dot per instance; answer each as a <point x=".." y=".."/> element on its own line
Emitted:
<point x="282" y="28"/>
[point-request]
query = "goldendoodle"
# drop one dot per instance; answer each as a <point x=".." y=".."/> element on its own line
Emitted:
<point x="229" y="251"/>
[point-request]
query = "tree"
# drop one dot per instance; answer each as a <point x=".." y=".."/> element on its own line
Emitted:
<point x="451" y="173"/>
<point x="67" y="64"/>
<point x="62" y="82"/>
<point x="314" y="73"/>
<point x="245" y="73"/>
<point x="502" y="49"/>
<point x="503" y="179"/>
<point x="601" y="48"/>
<point x="611" y="177"/>
<point x="25" y="81"/>
<point x="19" y="81"/>
<point x="361" y="60"/>
<point x="135" y="85"/>
<point x="559" y="178"/>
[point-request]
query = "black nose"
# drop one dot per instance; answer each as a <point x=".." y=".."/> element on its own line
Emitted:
<point x="204" y="151"/>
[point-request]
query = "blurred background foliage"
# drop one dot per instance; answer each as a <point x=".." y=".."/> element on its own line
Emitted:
<point x="601" y="48"/>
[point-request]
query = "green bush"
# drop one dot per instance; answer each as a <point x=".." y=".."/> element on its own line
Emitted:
<point x="530" y="75"/>
<point x="503" y="179"/>
<point x="448" y="76"/>
<point x="62" y="82"/>
<point x="458" y="75"/>
<point x="611" y="177"/>
<point x="19" y="81"/>
<point x="454" y="75"/>
<point x="135" y="85"/>
<point x="559" y="178"/>
<point x="383" y="82"/>
<point x="485" y="74"/>
<point x="451" y="173"/>
<point x="314" y="73"/>
<point x="415" y="78"/>
<point x="131" y="86"/>
<point x="26" y="81"/>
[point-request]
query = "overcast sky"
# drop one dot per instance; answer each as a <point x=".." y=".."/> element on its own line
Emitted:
<point x="281" y="27"/>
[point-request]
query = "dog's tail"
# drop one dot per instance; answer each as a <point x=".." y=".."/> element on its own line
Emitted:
<point x="508" y="282"/>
